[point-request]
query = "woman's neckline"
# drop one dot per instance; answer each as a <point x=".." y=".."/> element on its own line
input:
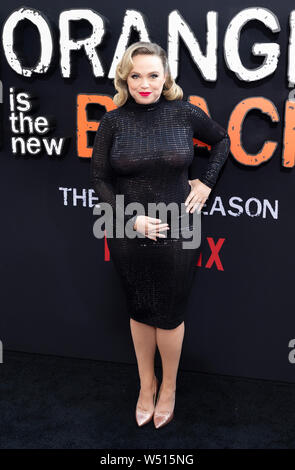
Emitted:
<point x="132" y="104"/>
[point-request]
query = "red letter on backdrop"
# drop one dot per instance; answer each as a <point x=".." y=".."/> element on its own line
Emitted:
<point x="83" y="125"/>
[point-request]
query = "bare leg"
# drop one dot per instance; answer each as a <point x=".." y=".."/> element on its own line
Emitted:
<point x="170" y="345"/>
<point x="144" y="340"/>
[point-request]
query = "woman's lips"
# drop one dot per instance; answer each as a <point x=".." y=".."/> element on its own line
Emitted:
<point x="145" y="93"/>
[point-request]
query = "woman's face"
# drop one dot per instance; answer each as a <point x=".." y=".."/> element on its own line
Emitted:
<point x="147" y="75"/>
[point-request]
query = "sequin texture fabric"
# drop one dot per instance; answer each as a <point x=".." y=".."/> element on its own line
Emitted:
<point x="145" y="152"/>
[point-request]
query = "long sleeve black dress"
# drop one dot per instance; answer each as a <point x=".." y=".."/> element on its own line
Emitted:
<point x="145" y="152"/>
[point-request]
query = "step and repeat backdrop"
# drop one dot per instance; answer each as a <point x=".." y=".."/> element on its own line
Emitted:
<point x="60" y="291"/>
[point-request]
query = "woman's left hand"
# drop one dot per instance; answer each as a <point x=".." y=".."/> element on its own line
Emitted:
<point x="198" y="195"/>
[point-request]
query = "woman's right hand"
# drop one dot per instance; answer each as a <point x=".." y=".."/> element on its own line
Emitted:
<point x="150" y="227"/>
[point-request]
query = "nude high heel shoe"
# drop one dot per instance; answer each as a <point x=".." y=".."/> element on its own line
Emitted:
<point x="143" y="417"/>
<point x="161" y="418"/>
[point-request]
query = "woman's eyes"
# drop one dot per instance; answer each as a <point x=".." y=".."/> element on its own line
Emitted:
<point x="153" y="75"/>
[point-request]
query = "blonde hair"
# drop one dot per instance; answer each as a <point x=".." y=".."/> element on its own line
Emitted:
<point x="171" y="90"/>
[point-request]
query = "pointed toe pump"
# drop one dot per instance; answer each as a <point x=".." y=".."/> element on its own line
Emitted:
<point x="161" y="418"/>
<point x="142" y="416"/>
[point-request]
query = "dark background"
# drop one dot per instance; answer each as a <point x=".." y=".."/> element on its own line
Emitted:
<point x="59" y="295"/>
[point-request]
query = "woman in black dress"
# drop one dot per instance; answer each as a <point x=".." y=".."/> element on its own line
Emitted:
<point x="143" y="150"/>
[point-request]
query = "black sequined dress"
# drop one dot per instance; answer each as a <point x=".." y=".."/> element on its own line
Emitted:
<point x="145" y="152"/>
